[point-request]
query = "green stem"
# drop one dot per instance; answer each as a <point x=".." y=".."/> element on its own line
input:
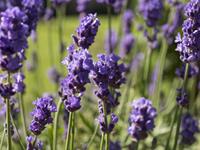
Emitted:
<point x="93" y="136"/>
<point x="21" y="103"/>
<point x="160" y="74"/>
<point x="110" y="29"/>
<point x="106" y="124"/>
<point x="68" y="132"/>
<point x="8" y="123"/>
<point x="102" y="141"/>
<point x="2" y="139"/>
<point x="55" y="126"/>
<point x="181" y="109"/>
<point x="49" y="35"/>
<point x="20" y="142"/>
<point x="171" y="128"/>
<point x="73" y="132"/>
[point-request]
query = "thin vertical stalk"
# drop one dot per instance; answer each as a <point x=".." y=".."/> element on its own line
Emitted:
<point x="181" y="109"/>
<point x="2" y="139"/>
<point x="163" y="54"/>
<point x="102" y="141"/>
<point x="93" y="136"/>
<point x="68" y="132"/>
<point x="60" y="32"/>
<point x="109" y="28"/>
<point x="8" y="123"/>
<point x="55" y="126"/>
<point x="49" y="35"/>
<point x="21" y="103"/>
<point x="107" y="140"/>
<point x="73" y="132"/>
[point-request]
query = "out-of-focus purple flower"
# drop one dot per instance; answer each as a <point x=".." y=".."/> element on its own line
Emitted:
<point x="182" y="98"/>
<point x="79" y="63"/>
<point x="188" y="45"/>
<point x="189" y="127"/>
<point x="6" y="90"/>
<point x="115" y="145"/>
<point x="50" y="13"/>
<point x="192" y="71"/>
<point x="32" y="64"/>
<point x="82" y="5"/>
<point x="33" y="146"/>
<point x="19" y="85"/>
<point x="154" y="77"/>
<point x="87" y="31"/>
<point x="116" y="4"/>
<point x="152" y="39"/>
<point x="2" y="6"/>
<point x="54" y="75"/>
<point x="113" y="43"/>
<point x="127" y="44"/>
<point x="32" y="8"/>
<point x="42" y="114"/>
<point x="127" y="21"/>
<point x="13" y="31"/>
<point x="14" y="108"/>
<point x="169" y="30"/>
<point x="59" y="2"/>
<point x="141" y="118"/>
<point x="2" y="107"/>
<point x="136" y="62"/>
<point x="151" y="11"/>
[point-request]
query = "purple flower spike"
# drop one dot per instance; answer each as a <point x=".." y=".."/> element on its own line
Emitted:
<point x="42" y="114"/>
<point x="113" y="43"/>
<point x="188" y="45"/>
<point x="33" y="146"/>
<point x="19" y="85"/>
<point x="87" y="31"/>
<point x="151" y="11"/>
<point x="141" y="118"/>
<point x="192" y="71"/>
<point x="182" y="98"/>
<point x="127" y="21"/>
<point x="189" y="127"/>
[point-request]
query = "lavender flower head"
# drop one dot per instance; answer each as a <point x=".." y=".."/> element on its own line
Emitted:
<point x="141" y="118"/>
<point x="13" y="31"/>
<point x="151" y="11"/>
<point x="115" y="145"/>
<point x="81" y="5"/>
<point x="87" y="31"/>
<point x="32" y="8"/>
<point x="31" y="146"/>
<point x="113" y="44"/>
<point x="116" y="4"/>
<point x="19" y="85"/>
<point x="49" y="13"/>
<point x="78" y="63"/>
<point x="2" y="107"/>
<point x="127" y="44"/>
<point x="54" y="75"/>
<point x="127" y="21"/>
<point x="182" y="98"/>
<point x="188" y="45"/>
<point x="189" y="127"/>
<point x="42" y="114"/>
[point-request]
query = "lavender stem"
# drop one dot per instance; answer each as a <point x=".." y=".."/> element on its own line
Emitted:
<point x="110" y="28"/>
<point x="181" y="109"/>
<point x="106" y="124"/>
<point x="68" y="132"/>
<point x="73" y="132"/>
<point x="102" y="141"/>
<point x="56" y="125"/>
<point x="21" y="103"/>
<point x="2" y="139"/>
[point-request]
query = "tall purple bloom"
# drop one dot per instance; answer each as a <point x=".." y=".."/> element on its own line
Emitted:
<point x="189" y="127"/>
<point x="127" y="44"/>
<point x="32" y="8"/>
<point x="82" y="5"/>
<point x="33" y="146"/>
<point x="87" y="31"/>
<point x="151" y="11"/>
<point x="188" y="45"/>
<point x="2" y="107"/>
<point x="141" y="118"/>
<point x="79" y="63"/>
<point x="19" y="85"/>
<point x="127" y="21"/>
<point x="42" y="114"/>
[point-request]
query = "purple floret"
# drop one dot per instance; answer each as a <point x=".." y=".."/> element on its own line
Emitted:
<point x="42" y="114"/>
<point x="141" y="118"/>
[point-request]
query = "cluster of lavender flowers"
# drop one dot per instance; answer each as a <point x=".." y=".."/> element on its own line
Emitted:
<point x="151" y="11"/>
<point x="33" y="145"/>
<point x="82" y="5"/>
<point x="44" y="106"/>
<point x="189" y="128"/>
<point x="188" y="45"/>
<point x="79" y="63"/>
<point x="113" y="43"/>
<point x="141" y="118"/>
<point x="108" y="76"/>
<point x="87" y="31"/>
